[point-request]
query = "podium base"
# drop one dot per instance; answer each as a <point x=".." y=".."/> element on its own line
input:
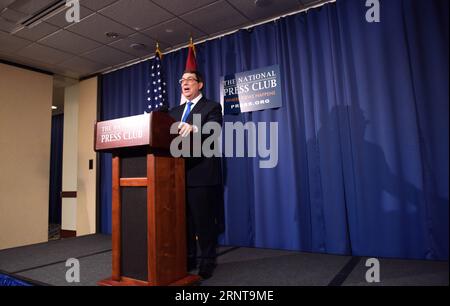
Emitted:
<point x="188" y="280"/>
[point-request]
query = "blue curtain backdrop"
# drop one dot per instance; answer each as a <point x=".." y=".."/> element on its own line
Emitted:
<point x="56" y="169"/>
<point x="363" y="131"/>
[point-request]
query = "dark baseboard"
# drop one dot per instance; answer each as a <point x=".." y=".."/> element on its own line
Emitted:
<point x="68" y="194"/>
<point x="68" y="234"/>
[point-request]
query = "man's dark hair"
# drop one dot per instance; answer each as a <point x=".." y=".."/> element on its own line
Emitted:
<point x="198" y="75"/>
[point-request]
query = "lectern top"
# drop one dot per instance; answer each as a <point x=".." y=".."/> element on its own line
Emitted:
<point x="152" y="130"/>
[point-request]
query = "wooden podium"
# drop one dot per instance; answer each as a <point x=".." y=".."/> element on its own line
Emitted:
<point x="148" y="202"/>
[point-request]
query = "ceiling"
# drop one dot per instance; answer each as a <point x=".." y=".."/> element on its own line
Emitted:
<point x="76" y="50"/>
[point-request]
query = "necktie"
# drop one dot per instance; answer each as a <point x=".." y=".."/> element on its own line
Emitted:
<point x="188" y="110"/>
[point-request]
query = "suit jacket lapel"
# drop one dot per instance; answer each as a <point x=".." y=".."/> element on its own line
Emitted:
<point x="179" y="111"/>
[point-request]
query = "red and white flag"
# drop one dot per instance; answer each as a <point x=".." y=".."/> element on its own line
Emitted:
<point x="191" y="63"/>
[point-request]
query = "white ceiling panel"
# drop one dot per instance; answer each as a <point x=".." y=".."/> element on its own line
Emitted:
<point x="108" y="55"/>
<point x="69" y="42"/>
<point x="96" y="26"/>
<point x="96" y="5"/>
<point x="37" y="32"/>
<point x="59" y="19"/>
<point x="81" y="65"/>
<point x="174" y="32"/>
<point x="10" y="43"/>
<point x="44" y="54"/>
<point x="143" y="45"/>
<point x="179" y="7"/>
<point x="136" y="14"/>
<point x="6" y="26"/>
<point x="13" y="16"/>
<point x="30" y="7"/>
<point x="5" y="3"/>
<point x="217" y="17"/>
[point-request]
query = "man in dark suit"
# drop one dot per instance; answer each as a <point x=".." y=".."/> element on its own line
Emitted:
<point x="203" y="176"/>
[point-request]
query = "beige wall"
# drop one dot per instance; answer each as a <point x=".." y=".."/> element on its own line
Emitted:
<point x="25" y="132"/>
<point x="70" y="157"/>
<point x="86" y="196"/>
<point x="80" y="113"/>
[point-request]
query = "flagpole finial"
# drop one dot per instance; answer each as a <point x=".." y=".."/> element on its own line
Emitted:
<point x="158" y="51"/>
<point x="191" y="45"/>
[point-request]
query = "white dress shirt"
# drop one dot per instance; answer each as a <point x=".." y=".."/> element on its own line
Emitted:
<point x="194" y="103"/>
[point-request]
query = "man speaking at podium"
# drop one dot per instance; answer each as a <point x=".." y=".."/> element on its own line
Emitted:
<point x="203" y="176"/>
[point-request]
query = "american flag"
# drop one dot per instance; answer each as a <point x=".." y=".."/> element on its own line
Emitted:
<point x="156" y="89"/>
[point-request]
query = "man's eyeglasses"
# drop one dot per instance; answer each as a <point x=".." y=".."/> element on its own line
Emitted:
<point x="188" y="80"/>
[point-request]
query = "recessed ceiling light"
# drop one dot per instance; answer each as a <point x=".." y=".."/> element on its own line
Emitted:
<point x="138" y="46"/>
<point x="112" y="34"/>
<point x="54" y="107"/>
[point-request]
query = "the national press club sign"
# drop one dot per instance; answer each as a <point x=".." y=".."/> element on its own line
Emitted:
<point x="251" y="90"/>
